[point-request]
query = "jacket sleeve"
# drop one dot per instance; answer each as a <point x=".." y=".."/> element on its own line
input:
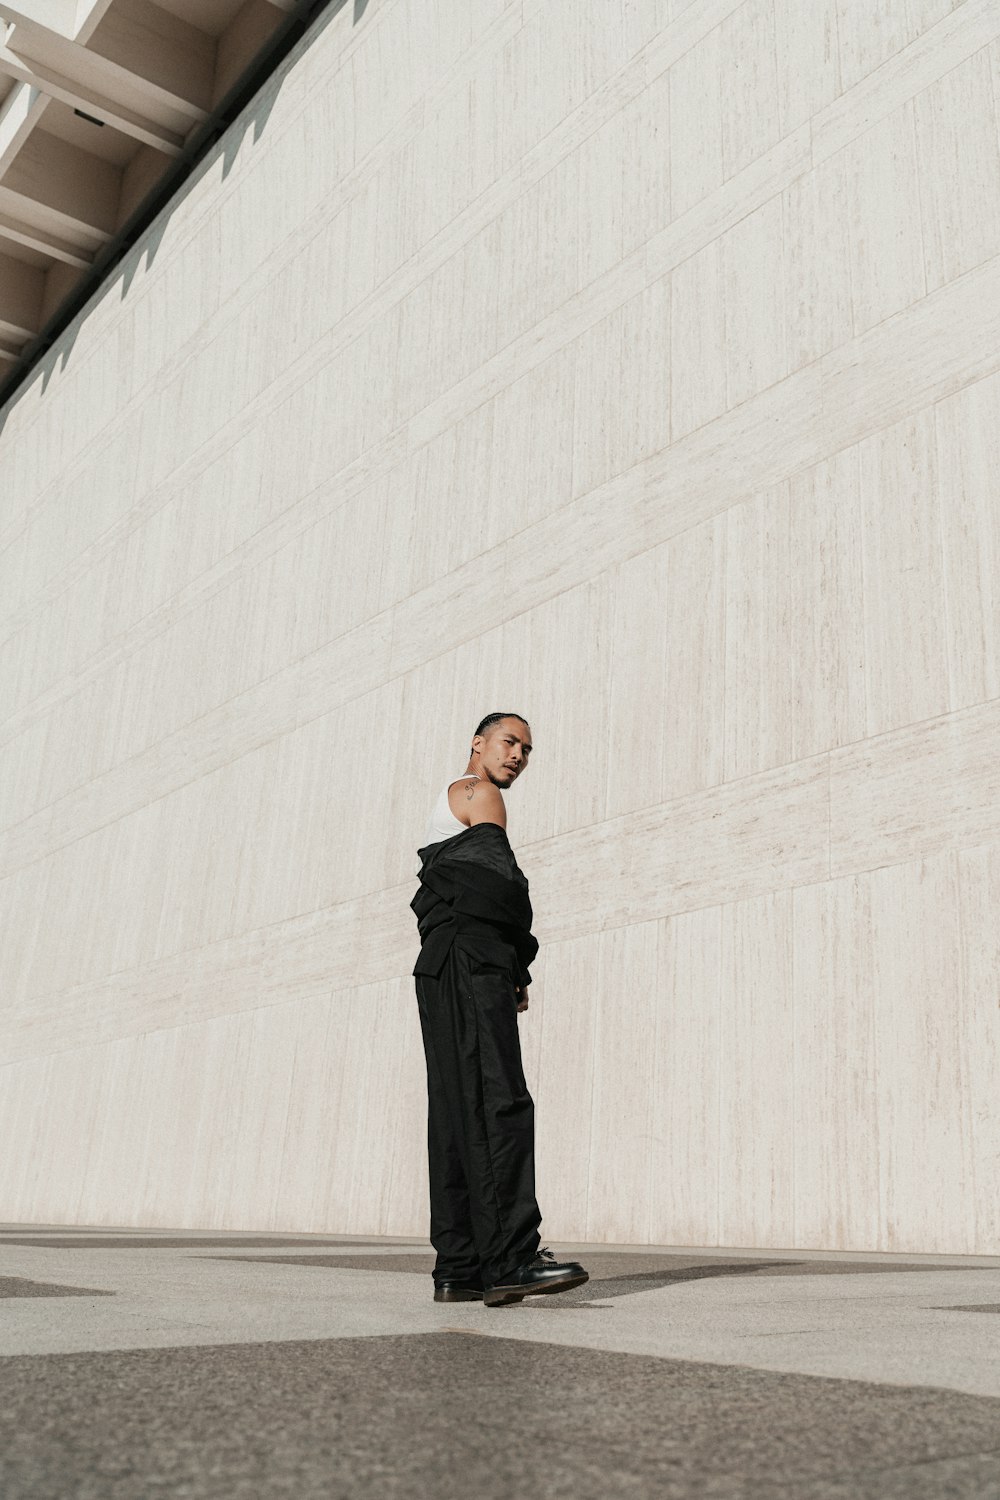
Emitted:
<point x="472" y="891"/>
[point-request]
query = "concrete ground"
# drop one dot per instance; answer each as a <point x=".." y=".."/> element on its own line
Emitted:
<point x="138" y="1364"/>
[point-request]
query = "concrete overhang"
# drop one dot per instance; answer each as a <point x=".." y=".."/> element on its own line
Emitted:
<point x="98" y="100"/>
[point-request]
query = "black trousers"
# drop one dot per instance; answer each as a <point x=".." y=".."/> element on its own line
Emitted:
<point x="480" y="1121"/>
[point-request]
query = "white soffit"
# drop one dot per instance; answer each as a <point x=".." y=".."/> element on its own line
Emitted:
<point x="97" y="98"/>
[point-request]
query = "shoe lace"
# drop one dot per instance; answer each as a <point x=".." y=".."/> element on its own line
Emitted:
<point x="546" y="1251"/>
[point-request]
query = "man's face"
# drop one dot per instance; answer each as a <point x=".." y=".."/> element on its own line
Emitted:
<point x="504" y="751"/>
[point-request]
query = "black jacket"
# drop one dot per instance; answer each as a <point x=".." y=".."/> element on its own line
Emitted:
<point x="473" y="895"/>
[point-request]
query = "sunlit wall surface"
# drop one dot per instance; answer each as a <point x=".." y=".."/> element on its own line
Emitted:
<point x="634" y="366"/>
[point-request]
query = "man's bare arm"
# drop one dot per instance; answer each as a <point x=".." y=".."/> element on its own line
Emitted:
<point x="485" y="804"/>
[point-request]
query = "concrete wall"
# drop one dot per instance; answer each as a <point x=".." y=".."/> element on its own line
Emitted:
<point x="632" y="366"/>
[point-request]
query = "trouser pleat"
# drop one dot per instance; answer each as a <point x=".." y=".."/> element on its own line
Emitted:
<point x="480" y="1122"/>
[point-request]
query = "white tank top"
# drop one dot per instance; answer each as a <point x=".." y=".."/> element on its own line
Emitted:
<point x="442" y="823"/>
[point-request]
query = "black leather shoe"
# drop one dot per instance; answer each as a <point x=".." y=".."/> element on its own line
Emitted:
<point x="458" y="1291"/>
<point x="542" y="1274"/>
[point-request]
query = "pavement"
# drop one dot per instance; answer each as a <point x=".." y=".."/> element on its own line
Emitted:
<point x="148" y="1363"/>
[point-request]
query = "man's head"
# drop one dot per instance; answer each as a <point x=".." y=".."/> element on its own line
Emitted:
<point x="501" y="746"/>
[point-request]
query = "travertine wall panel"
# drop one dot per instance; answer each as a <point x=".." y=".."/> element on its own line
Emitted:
<point x="968" y="450"/>
<point x="634" y="366"/>
<point x="816" y="269"/>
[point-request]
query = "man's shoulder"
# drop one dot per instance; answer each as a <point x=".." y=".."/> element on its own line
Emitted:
<point x="475" y="802"/>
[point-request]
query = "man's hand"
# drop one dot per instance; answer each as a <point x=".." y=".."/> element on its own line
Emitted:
<point x="522" y="1001"/>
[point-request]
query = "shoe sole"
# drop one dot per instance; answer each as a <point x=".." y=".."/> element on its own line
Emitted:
<point x="458" y="1296"/>
<point x="503" y="1298"/>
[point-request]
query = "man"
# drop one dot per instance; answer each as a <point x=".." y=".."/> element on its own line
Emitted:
<point x="474" y="919"/>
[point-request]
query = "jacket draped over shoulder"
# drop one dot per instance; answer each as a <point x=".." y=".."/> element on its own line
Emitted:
<point x="472" y="895"/>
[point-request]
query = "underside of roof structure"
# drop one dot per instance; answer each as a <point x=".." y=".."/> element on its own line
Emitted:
<point x="97" y="99"/>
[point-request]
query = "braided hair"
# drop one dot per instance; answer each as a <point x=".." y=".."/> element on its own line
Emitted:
<point x="484" y="724"/>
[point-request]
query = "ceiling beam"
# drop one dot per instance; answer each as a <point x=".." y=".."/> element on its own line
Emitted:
<point x="169" y="54"/>
<point x="21" y="290"/>
<point x="88" y="17"/>
<point x="18" y="232"/>
<point x="57" y="187"/>
<point x="19" y="62"/>
<point x="25" y="105"/>
<point x="21" y="111"/>
<point x="85" y="78"/>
